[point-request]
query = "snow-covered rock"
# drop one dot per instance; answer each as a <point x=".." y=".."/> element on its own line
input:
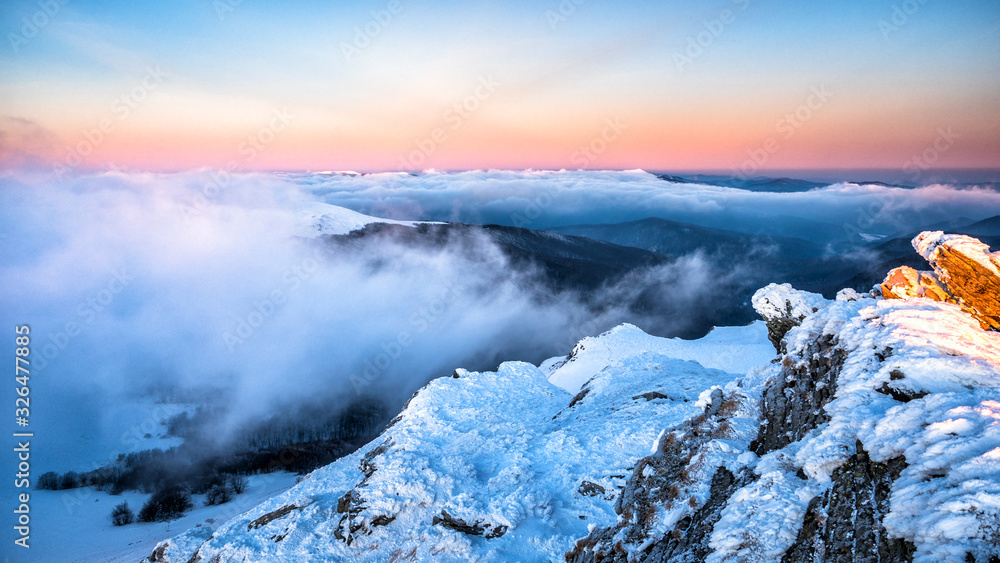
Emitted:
<point x="783" y="307"/>
<point x="965" y="273"/>
<point x="496" y="466"/>
<point x="876" y="437"/>
<point x="879" y="441"/>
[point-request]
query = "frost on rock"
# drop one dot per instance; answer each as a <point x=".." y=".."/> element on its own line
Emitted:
<point x="674" y="497"/>
<point x="783" y="307"/>
<point x="879" y="441"/>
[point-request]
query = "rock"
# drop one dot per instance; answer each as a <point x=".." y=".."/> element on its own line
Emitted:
<point x="591" y="489"/>
<point x="489" y="531"/>
<point x="793" y="403"/>
<point x="159" y="554"/>
<point x="664" y="480"/>
<point x="272" y="516"/>
<point x="844" y="525"/>
<point x="782" y="308"/>
<point x="905" y="282"/>
<point x="965" y="273"/>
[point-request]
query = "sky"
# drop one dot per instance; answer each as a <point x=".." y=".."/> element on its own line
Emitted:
<point x="733" y="85"/>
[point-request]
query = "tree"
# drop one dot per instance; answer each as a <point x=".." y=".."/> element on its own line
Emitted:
<point x="238" y="484"/>
<point x="219" y="494"/>
<point x="165" y="504"/>
<point x="69" y="480"/>
<point x="49" y="481"/>
<point x="122" y="515"/>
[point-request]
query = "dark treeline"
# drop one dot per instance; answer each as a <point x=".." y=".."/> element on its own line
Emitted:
<point x="201" y="464"/>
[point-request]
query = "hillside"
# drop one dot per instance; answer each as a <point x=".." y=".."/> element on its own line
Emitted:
<point x="872" y="435"/>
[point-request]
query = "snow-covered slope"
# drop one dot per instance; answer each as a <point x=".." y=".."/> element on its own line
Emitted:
<point x="879" y="441"/>
<point x="316" y="219"/>
<point x="492" y="466"/>
<point x="874" y="437"/>
<point x="75" y="524"/>
<point x="734" y="349"/>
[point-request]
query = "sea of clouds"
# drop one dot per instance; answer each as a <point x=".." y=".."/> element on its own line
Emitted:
<point x="199" y="287"/>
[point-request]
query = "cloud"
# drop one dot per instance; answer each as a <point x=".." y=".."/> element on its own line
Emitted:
<point x="25" y="144"/>
<point x="195" y="287"/>
<point x="540" y="199"/>
<point x="132" y="290"/>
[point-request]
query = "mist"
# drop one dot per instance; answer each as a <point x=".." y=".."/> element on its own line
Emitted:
<point x="139" y="288"/>
<point x="545" y="199"/>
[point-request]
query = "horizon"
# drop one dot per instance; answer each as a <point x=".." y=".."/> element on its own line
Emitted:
<point x="736" y="86"/>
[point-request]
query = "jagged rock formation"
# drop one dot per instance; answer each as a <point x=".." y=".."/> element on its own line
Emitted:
<point x="668" y="481"/>
<point x="782" y="309"/>
<point x="793" y="405"/>
<point x="965" y="273"/>
<point x="844" y="524"/>
<point x="816" y="494"/>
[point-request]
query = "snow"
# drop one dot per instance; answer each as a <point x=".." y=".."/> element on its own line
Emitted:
<point x="731" y="349"/>
<point x="509" y="449"/>
<point x="317" y="219"/>
<point x="75" y="524"/>
<point x="782" y="300"/>
<point x="948" y="497"/>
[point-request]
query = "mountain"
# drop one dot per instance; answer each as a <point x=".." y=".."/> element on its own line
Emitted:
<point x="761" y="183"/>
<point x="754" y="184"/>
<point x="567" y="262"/>
<point x="665" y="236"/>
<point x="600" y="275"/>
<point x="986" y="227"/>
<point x="872" y="435"/>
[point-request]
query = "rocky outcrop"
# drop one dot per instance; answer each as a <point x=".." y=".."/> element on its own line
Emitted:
<point x="844" y="525"/>
<point x="783" y="308"/>
<point x="965" y="273"/>
<point x="668" y="480"/>
<point x="793" y="405"/>
<point x="845" y="520"/>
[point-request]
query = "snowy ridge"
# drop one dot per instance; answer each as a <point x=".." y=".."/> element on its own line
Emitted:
<point x="317" y="219"/>
<point x="733" y="349"/>
<point x="945" y="421"/>
<point x="875" y="437"/>
<point x="488" y="466"/>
